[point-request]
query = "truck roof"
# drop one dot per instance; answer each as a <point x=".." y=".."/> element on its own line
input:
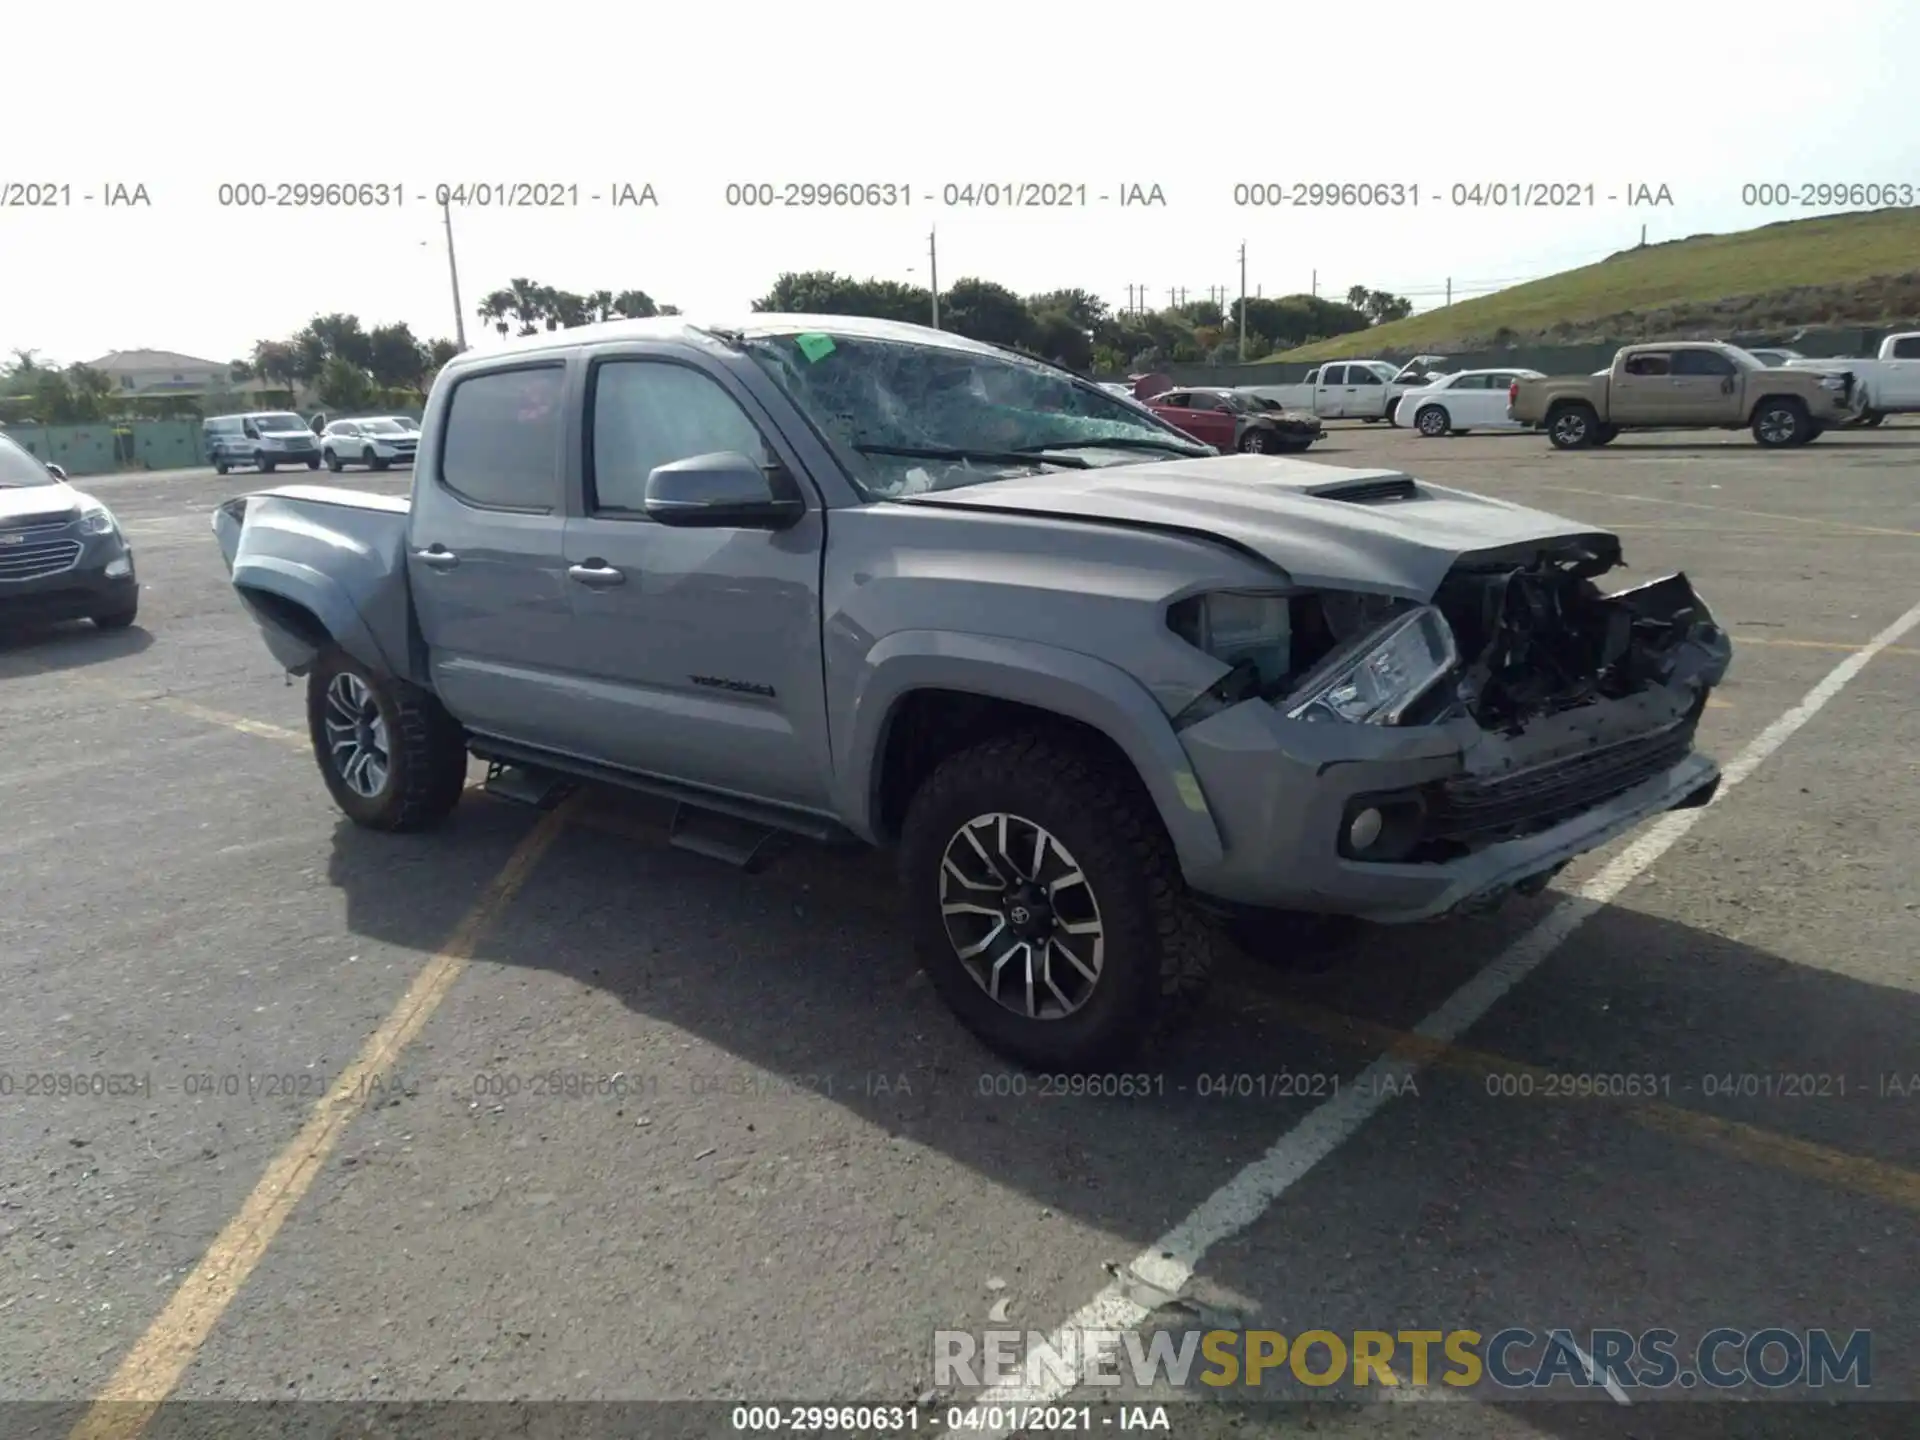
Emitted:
<point x="700" y="328"/>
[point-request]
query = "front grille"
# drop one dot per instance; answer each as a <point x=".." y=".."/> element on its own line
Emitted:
<point x="36" y="524"/>
<point x="31" y="561"/>
<point x="1472" y="813"/>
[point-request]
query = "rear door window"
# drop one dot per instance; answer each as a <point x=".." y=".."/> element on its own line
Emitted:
<point x="501" y="446"/>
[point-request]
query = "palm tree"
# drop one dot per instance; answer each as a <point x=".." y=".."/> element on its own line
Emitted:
<point x="528" y="304"/>
<point x="495" y="309"/>
<point x="601" y="303"/>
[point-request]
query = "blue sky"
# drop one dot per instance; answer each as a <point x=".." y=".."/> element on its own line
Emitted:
<point x="1699" y="98"/>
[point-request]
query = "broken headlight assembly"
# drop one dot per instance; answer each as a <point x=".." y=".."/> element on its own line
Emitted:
<point x="1376" y="678"/>
<point x="1322" y="656"/>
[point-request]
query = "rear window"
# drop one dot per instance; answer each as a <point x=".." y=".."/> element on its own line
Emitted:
<point x="502" y="439"/>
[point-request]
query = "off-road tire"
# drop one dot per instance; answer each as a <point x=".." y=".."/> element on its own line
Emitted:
<point x="1572" y="426"/>
<point x="1159" y="950"/>
<point x="1780" y="421"/>
<point x="427" y="757"/>
<point x="1425" y="421"/>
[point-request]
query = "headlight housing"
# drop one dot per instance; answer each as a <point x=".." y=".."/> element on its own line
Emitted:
<point x="96" y="519"/>
<point x="1377" y="678"/>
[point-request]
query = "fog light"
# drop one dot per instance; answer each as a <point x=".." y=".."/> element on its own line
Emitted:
<point x="1364" y="830"/>
<point x="123" y="567"/>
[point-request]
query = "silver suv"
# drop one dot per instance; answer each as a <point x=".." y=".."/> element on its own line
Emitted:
<point x="1104" y="691"/>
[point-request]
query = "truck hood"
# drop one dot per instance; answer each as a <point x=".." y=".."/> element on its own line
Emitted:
<point x="1370" y="530"/>
<point x="34" y="502"/>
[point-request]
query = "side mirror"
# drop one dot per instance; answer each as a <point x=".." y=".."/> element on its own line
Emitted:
<point x="58" y="472"/>
<point x="724" y="490"/>
<point x="252" y="431"/>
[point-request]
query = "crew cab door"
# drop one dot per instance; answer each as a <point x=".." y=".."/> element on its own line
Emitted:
<point x="1706" y="389"/>
<point x="1366" y="393"/>
<point x="483" y="552"/>
<point x="695" y="653"/>
<point x="1639" y="389"/>
<point x="1330" y="392"/>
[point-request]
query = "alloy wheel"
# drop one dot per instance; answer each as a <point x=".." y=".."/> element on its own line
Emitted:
<point x="1021" y="916"/>
<point x="1433" y="422"/>
<point x="1571" y="428"/>
<point x="1778" y="425"/>
<point x="357" y="736"/>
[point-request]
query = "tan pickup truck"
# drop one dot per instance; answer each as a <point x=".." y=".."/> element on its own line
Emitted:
<point x="1684" y="385"/>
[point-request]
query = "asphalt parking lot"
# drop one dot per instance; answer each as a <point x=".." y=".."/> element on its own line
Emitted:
<point x="374" y="1149"/>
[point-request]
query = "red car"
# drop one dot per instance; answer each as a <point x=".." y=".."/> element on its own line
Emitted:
<point x="1229" y="420"/>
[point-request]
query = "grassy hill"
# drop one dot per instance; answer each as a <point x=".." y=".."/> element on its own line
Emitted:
<point x="1861" y="268"/>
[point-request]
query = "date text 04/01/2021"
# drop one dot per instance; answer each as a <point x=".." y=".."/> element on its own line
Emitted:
<point x="960" y="1419"/>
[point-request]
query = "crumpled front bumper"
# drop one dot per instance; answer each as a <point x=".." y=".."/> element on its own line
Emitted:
<point x="1281" y="794"/>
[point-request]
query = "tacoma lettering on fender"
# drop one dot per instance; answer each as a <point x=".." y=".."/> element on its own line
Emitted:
<point x="1100" y="687"/>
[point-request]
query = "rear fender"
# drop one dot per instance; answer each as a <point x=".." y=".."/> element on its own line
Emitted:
<point x="300" y="611"/>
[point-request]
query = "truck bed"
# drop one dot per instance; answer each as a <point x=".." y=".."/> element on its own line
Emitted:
<point x="315" y="564"/>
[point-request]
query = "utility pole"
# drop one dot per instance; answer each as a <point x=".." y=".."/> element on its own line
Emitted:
<point x="1316" y="284"/>
<point x="453" y="274"/>
<point x="1243" y="302"/>
<point x="933" y="277"/>
<point x="1449" y="290"/>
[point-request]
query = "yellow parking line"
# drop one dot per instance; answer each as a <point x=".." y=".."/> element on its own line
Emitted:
<point x="1839" y="526"/>
<point x="154" y="1366"/>
<point x="1875" y="1178"/>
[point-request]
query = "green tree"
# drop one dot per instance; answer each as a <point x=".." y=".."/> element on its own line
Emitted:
<point x="344" y="385"/>
<point x="328" y="335"/>
<point x="395" y="357"/>
<point x="982" y="310"/>
<point x="495" y="309"/>
<point x="278" y="363"/>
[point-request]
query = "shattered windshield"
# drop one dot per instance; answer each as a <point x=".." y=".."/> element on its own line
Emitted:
<point x="910" y="417"/>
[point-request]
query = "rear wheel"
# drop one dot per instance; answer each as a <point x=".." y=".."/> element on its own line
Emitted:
<point x="314" y="463"/>
<point x="1572" y="427"/>
<point x="1780" y="421"/>
<point x="1433" y="421"/>
<point x="1046" y="905"/>
<point x="392" y="757"/>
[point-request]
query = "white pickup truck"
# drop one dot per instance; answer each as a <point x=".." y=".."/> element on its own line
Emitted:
<point x="1888" y="384"/>
<point x="1344" y="390"/>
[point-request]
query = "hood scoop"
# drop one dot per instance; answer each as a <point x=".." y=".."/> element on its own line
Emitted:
<point x="1368" y="491"/>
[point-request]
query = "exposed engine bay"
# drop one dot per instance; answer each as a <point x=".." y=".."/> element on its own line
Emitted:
<point x="1542" y="638"/>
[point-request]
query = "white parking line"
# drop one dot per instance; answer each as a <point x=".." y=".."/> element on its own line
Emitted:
<point x="1166" y="1266"/>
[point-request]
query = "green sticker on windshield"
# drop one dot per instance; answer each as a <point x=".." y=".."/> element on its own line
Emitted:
<point x="814" y="347"/>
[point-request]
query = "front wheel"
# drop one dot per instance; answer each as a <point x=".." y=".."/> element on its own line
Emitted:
<point x="1256" y="442"/>
<point x="1046" y="905"/>
<point x="333" y="462"/>
<point x="1781" y="422"/>
<point x="118" y="619"/>
<point x="262" y="464"/>
<point x="392" y="757"/>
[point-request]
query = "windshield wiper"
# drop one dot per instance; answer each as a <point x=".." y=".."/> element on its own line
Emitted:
<point x="1123" y="442"/>
<point x="1039" y="454"/>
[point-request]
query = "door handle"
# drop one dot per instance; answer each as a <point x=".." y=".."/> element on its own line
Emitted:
<point x="597" y="574"/>
<point x="438" y="557"/>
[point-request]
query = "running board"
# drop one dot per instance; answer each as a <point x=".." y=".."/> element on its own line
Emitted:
<point x="753" y="815"/>
<point x="525" y="785"/>
<point x="726" y="838"/>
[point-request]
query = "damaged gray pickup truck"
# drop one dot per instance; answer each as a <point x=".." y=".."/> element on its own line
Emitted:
<point x="1105" y="692"/>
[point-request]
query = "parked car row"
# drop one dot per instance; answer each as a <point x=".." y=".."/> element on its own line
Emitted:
<point x="264" y="440"/>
